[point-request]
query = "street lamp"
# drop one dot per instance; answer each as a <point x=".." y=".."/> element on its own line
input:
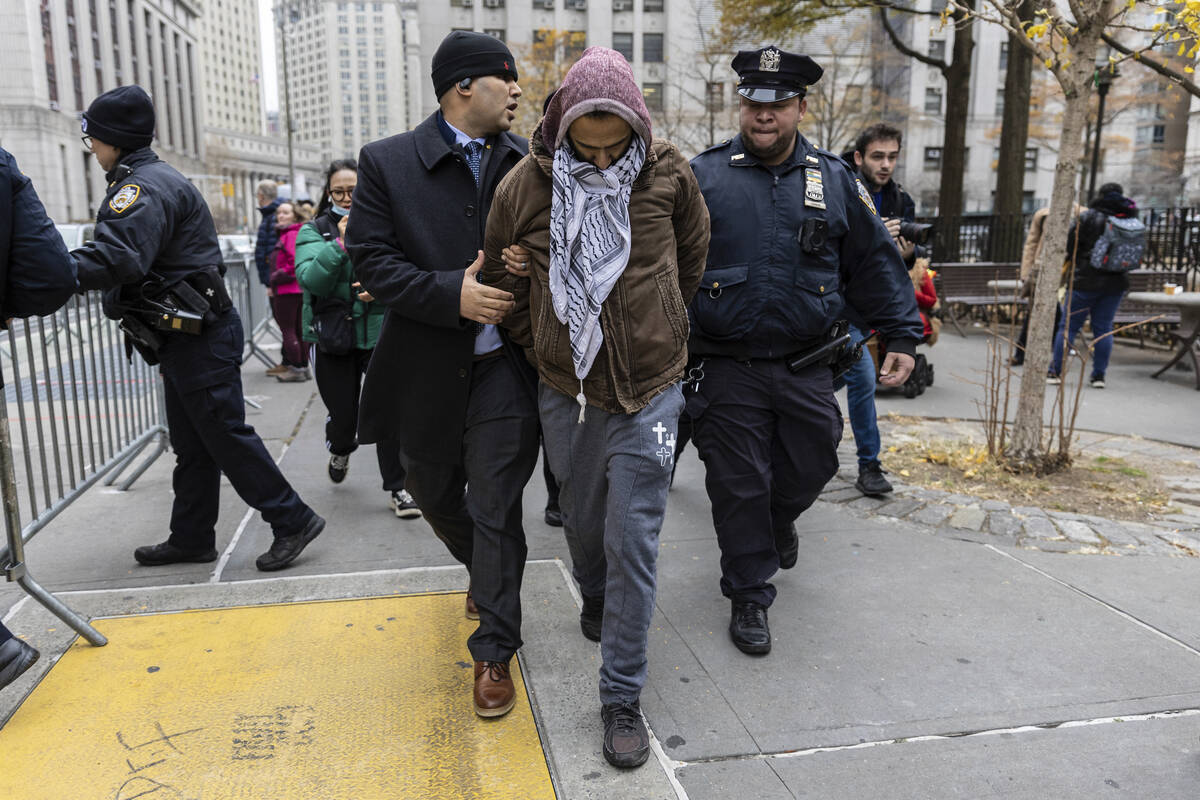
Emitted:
<point x="287" y="13"/>
<point x="1102" y="78"/>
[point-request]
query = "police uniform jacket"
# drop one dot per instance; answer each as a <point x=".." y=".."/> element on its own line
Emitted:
<point x="416" y="223"/>
<point x="152" y="218"/>
<point x="762" y="295"/>
<point x="37" y="274"/>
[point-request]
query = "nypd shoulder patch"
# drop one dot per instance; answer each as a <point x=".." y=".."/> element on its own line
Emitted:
<point x="865" y="196"/>
<point x="126" y="196"/>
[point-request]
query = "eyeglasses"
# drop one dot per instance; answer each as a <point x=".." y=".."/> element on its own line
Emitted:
<point x="87" y="141"/>
<point x="341" y="194"/>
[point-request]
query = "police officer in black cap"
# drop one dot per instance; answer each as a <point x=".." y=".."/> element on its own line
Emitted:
<point x="794" y="238"/>
<point x="156" y="256"/>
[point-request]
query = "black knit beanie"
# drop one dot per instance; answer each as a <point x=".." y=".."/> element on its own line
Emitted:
<point x="122" y="117"/>
<point x="466" y="54"/>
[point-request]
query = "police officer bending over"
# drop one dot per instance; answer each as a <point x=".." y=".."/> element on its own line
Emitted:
<point x="794" y="237"/>
<point x="155" y="254"/>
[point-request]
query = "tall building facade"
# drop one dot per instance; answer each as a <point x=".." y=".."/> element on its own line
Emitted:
<point x="239" y="149"/>
<point x="345" y="71"/>
<point x="57" y="55"/>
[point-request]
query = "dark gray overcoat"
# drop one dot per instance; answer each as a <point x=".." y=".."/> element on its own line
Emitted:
<point x="416" y="223"/>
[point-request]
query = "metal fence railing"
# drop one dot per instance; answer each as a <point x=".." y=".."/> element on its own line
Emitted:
<point x="1172" y="239"/>
<point x="76" y="410"/>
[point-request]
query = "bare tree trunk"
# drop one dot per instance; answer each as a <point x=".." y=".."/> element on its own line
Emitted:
<point x="954" y="143"/>
<point x="1007" y="227"/>
<point x="1025" y="450"/>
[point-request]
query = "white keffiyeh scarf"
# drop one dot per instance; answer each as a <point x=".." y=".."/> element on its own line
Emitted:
<point x="589" y="242"/>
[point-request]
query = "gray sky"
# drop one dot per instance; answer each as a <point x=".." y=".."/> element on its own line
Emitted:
<point x="270" y="86"/>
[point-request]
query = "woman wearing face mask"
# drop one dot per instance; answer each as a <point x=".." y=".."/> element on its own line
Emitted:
<point x="288" y="219"/>
<point x="326" y="275"/>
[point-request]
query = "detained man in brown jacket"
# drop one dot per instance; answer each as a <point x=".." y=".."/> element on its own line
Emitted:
<point x="615" y="231"/>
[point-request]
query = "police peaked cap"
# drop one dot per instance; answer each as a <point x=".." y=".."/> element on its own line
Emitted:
<point x="770" y="74"/>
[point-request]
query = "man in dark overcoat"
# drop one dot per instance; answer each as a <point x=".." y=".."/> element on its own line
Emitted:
<point x="444" y="381"/>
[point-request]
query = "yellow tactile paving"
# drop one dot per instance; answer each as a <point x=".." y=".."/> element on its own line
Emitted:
<point x="345" y="700"/>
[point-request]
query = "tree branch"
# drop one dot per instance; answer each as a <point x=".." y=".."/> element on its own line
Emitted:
<point x="1162" y="69"/>
<point x="900" y="45"/>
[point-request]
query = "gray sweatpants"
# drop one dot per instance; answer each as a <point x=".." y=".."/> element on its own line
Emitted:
<point x="614" y="471"/>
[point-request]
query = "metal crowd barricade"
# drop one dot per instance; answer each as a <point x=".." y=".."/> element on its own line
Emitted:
<point x="250" y="297"/>
<point x="84" y="412"/>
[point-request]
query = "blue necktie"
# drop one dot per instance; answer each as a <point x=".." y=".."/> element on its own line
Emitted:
<point x="474" y="156"/>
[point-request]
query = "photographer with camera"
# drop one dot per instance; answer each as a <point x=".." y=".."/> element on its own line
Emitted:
<point x="795" y="240"/>
<point x="156" y="256"/>
<point x="875" y="154"/>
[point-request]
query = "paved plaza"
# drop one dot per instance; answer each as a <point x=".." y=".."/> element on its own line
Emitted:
<point x="913" y="657"/>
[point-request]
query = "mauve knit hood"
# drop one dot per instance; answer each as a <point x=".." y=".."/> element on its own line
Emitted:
<point x="601" y="80"/>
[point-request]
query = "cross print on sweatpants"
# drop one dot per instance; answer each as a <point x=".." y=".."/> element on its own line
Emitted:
<point x="666" y="440"/>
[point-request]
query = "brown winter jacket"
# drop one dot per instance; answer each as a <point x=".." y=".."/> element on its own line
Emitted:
<point x="644" y="319"/>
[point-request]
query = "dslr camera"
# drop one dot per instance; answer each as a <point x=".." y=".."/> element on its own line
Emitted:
<point x="920" y="233"/>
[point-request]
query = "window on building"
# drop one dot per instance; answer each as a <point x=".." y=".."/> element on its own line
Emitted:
<point x="574" y="44"/>
<point x="933" y="100"/>
<point x="933" y="159"/>
<point x="73" y="49"/>
<point x="652" y="48"/>
<point x="854" y="97"/>
<point x="653" y="95"/>
<point x="623" y="44"/>
<point x="114" y="28"/>
<point x="714" y="95"/>
<point x="999" y="103"/>
<point x="496" y="33"/>
<point x="48" y="50"/>
<point x="937" y="49"/>
<point x="652" y="5"/>
<point x="1031" y="156"/>
<point x="1159" y="134"/>
<point x="1003" y="56"/>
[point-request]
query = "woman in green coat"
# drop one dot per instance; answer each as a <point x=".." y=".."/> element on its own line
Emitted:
<point x="324" y="272"/>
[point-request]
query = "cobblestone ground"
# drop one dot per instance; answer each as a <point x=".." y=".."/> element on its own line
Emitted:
<point x="964" y="516"/>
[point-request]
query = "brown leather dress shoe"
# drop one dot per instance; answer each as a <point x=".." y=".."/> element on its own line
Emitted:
<point x="472" y="611"/>
<point x="494" y="690"/>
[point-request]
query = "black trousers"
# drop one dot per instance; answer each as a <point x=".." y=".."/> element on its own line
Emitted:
<point x="768" y="439"/>
<point x="206" y="418"/>
<point x="481" y="526"/>
<point x="339" y="380"/>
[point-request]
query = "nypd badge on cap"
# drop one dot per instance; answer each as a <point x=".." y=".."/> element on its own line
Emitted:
<point x="770" y="74"/>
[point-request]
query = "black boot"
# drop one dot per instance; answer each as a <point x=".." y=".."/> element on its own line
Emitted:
<point x="871" y="481"/>
<point x="787" y="544"/>
<point x="157" y="555"/>
<point x="748" y="628"/>
<point x="591" y="618"/>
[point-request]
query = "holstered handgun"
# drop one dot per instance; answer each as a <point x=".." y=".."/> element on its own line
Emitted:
<point x="839" y="351"/>
<point x="141" y="337"/>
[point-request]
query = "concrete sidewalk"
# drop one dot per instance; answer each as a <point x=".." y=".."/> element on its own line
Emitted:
<point x="905" y="663"/>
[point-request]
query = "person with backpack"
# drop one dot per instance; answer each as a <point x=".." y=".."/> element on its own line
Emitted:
<point x="342" y="321"/>
<point x="1111" y="241"/>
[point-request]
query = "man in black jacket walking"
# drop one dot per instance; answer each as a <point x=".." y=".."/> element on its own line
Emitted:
<point x="444" y="382"/>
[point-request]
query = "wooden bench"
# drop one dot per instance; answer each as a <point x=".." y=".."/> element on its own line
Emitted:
<point x="1148" y="280"/>
<point x="965" y="286"/>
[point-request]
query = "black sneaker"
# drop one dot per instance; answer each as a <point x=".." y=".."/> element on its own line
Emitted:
<point x="787" y="544"/>
<point x="1097" y="381"/>
<point x="16" y="656"/>
<point x="626" y="742"/>
<point x="554" y="516"/>
<point x="285" y="548"/>
<point x="871" y="481"/>
<point x="748" y="628"/>
<point x="591" y="619"/>
<point x="403" y="505"/>
<point x="338" y="467"/>
<point x="156" y="555"/>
